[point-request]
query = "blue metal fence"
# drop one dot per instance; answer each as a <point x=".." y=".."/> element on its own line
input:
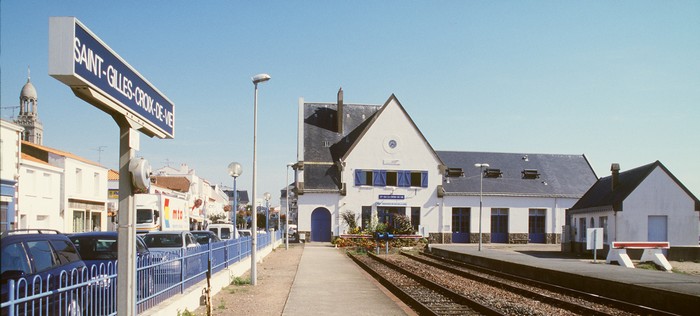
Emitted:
<point x="93" y="290"/>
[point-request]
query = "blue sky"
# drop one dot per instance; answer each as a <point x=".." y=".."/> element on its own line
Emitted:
<point x="618" y="81"/>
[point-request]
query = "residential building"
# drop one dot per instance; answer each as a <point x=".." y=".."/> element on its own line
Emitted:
<point x="10" y="144"/>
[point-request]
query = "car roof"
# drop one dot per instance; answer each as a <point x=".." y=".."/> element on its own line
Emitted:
<point x="168" y="232"/>
<point x="202" y="231"/>
<point x="95" y="234"/>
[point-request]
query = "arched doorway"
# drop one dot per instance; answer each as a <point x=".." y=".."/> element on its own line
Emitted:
<point x="321" y="225"/>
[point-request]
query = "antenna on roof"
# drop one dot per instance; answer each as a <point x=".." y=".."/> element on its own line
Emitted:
<point x="99" y="149"/>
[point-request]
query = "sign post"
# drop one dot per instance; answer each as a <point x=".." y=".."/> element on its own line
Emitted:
<point x="99" y="76"/>
<point x="594" y="241"/>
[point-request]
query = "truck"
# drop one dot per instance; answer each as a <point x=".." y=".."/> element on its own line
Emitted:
<point x="160" y="212"/>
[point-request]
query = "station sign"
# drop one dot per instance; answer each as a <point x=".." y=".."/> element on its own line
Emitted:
<point x="391" y="197"/>
<point x="95" y="73"/>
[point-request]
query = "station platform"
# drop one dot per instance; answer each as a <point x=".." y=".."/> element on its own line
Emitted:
<point x="329" y="283"/>
<point x="675" y="292"/>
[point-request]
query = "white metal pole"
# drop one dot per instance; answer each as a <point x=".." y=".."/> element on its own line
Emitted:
<point x="286" y="219"/>
<point x="254" y="228"/>
<point x="481" y="194"/>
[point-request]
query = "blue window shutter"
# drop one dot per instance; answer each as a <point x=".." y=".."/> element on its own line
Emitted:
<point x="359" y="177"/>
<point x="404" y="178"/>
<point x="379" y="178"/>
<point x="424" y="179"/>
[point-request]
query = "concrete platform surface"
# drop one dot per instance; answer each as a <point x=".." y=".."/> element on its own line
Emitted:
<point x="329" y="283"/>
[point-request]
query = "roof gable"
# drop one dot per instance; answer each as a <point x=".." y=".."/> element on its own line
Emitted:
<point x="601" y="193"/>
<point x="42" y="153"/>
<point x="392" y="101"/>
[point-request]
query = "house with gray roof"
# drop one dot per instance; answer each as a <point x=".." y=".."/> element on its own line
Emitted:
<point x="647" y="203"/>
<point x="373" y="161"/>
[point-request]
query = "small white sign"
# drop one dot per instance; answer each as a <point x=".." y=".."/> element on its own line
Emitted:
<point x="594" y="238"/>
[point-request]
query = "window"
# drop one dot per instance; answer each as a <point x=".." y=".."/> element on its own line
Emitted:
<point x="65" y="251"/>
<point x="44" y="258"/>
<point x="530" y="174"/>
<point x="396" y="178"/>
<point x="96" y="179"/>
<point x="492" y="173"/>
<point x="392" y="178"/>
<point x="603" y="222"/>
<point x="14" y="258"/>
<point x="78" y="180"/>
<point x="366" y="216"/>
<point x="78" y="221"/>
<point x="47" y="184"/>
<point x="582" y="229"/>
<point x="415" y="217"/>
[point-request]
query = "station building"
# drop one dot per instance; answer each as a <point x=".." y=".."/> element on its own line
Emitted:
<point x="374" y="161"/>
<point x="646" y="203"/>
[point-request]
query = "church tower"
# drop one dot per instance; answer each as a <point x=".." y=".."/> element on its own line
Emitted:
<point x="28" y="116"/>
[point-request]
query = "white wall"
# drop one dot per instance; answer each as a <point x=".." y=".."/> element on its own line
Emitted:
<point x="10" y="142"/>
<point x="40" y="196"/>
<point x="658" y="194"/>
<point x="90" y="184"/>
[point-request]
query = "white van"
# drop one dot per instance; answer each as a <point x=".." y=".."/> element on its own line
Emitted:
<point x="224" y="231"/>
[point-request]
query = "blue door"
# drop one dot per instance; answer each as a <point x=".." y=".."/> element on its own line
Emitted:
<point x="536" y="227"/>
<point x="499" y="225"/>
<point x="460" y="225"/>
<point x="321" y="225"/>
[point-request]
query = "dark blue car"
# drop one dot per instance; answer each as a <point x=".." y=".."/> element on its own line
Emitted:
<point x="41" y="261"/>
<point x="99" y="252"/>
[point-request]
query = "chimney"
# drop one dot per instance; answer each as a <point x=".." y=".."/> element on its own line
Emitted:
<point x="340" y="111"/>
<point x="615" y="168"/>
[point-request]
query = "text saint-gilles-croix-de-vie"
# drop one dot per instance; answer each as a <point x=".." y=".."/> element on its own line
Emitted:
<point x="92" y="62"/>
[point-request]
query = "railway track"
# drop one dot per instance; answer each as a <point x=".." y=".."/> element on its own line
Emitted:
<point x="438" y="286"/>
<point x="425" y="297"/>
<point x="496" y="277"/>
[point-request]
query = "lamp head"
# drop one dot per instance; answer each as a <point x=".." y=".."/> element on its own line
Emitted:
<point x="260" y="78"/>
<point x="267" y="196"/>
<point x="481" y="165"/>
<point x="234" y="169"/>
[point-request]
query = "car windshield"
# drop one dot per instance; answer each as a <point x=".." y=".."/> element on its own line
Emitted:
<point x="163" y="240"/>
<point x="144" y="216"/>
<point x="96" y="248"/>
<point x="202" y="237"/>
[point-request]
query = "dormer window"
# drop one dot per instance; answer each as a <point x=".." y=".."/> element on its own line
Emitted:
<point x="530" y="174"/>
<point x="492" y="173"/>
<point x="455" y="172"/>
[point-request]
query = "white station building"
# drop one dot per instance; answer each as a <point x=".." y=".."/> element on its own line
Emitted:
<point x="374" y="161"/>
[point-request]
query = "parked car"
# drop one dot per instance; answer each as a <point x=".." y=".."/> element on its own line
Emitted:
<point x="99" y="251"/>
<point x="44" y="258"/>
<point x="225" y="231"/>
<point x="175" y="247"/>
<point x="205" y="236"/>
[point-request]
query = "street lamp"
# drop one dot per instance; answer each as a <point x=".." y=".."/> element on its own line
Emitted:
<point x="267" y="197"/>
<point x="481" y="167"/>
<point x="235" y="170"/>
<point x="286" y="218"/>
<point x="254" y="241"/>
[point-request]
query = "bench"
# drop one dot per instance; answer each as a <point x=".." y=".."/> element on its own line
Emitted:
<point x="652" y="252"/>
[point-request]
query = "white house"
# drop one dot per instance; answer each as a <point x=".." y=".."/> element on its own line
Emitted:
<point x="82" y="189"/>
<point x="40" y="195"/>
<point x="10" y="143"/>
<point x="373" y="160"/>
<point x="647" y="203"/>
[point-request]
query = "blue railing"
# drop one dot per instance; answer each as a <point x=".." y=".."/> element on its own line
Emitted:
<point x="93" y="290"/>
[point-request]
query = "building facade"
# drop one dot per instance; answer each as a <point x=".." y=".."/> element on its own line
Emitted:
<point x="373" y="161"/>
<point x="10" y="144"/>
<point x="647" y="203"/>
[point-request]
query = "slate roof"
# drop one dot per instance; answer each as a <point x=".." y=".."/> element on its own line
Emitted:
<point x="559" y="175"/>
<point x="324" y="145"/>
<point x="602" y="195"/>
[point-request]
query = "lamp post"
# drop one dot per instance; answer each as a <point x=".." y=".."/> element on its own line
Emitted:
<point x="267" y="197"/>
<point x="235" y="170"/>
<point x="481" y="167"/>
<point x="254" y="241"/>
<point x="286" y="218"/>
